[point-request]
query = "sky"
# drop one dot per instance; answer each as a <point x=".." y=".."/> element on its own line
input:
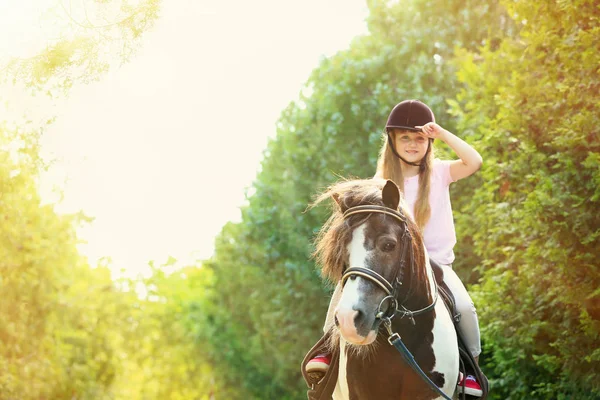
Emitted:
<point x="161" y="150"/>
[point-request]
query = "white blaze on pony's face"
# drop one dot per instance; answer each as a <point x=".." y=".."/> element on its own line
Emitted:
<point x="349" y="306"/>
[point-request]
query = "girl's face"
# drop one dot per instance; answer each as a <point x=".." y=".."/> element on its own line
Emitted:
<point x="412" y="146"/>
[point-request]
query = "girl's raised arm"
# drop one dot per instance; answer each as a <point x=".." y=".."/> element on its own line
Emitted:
<point x="470" y="160"/>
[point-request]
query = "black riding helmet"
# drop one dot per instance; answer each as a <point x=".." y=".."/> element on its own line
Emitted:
<point x="408" y="115"/>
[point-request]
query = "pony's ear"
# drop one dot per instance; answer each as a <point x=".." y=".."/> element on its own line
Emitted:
<point x="391" y="195"/>
<point x="338" y="201"/>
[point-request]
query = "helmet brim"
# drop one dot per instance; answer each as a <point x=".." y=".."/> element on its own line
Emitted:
<point x="408" y="128"/>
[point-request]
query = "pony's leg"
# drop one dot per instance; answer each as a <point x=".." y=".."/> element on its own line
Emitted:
<point x="341" y="391"/>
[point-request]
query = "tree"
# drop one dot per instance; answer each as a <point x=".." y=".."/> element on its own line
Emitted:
<point x="530" y="103"/>
<point x="57" y="314"/>
<point x="54" y="339"/>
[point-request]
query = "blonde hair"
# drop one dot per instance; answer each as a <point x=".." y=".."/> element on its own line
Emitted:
<point x="389" y="167"/>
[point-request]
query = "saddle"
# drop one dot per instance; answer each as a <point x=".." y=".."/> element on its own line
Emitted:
<point x="322" y="388"/>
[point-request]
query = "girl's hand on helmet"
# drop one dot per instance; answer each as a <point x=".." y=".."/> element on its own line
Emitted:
<point x="432" y="130"/>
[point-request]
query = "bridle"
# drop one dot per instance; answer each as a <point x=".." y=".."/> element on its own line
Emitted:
<point x="391" y="290"/>
<point x="396" y="307"/>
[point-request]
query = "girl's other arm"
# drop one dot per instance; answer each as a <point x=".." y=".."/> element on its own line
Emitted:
<point x="470" y="160"/>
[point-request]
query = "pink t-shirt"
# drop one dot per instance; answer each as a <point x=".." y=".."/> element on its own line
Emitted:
<point x="439" y="233"/>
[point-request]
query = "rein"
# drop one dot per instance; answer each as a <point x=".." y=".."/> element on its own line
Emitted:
<point x="392" y="291"/>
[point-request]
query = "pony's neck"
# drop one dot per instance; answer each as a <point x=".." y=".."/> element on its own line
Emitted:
<point x="422" y="291"/>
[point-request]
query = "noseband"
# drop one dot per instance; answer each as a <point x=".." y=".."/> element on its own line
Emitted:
<point x="390" y="289"/>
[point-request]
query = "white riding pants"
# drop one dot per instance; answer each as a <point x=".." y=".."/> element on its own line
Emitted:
<point x="469" y="323"/>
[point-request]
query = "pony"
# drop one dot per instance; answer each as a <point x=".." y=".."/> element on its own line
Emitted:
<point x="372" y="248"/>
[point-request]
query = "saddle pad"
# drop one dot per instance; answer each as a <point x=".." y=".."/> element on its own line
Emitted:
<point x="324" y="388"/>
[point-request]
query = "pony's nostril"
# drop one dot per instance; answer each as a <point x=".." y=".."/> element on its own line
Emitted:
<point x="359" y="318"/>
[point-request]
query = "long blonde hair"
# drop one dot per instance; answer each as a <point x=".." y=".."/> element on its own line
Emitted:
<point x="389" y="167"/>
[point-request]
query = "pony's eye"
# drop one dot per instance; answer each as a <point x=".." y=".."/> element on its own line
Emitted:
<point x="388" y="245"/>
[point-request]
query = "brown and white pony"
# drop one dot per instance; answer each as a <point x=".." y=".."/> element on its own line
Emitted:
<point x="390" y="245"/>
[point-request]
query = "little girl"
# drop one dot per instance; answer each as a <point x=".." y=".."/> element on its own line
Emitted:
<point x="407" y="159"/>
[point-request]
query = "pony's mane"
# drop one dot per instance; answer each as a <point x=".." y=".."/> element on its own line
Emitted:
<point x="334" y="236"/>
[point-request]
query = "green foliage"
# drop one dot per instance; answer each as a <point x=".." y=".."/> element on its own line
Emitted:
<point x="68" y="330"/>
<point x="52" y="334"/>
<point x="86" y="50"/>
<point x="160" y="358"/>
<point x="532" y="101"/>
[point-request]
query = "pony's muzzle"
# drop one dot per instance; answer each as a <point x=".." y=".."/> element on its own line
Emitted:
<point x="345" y="321"/>
<point x="355" y="326"/>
